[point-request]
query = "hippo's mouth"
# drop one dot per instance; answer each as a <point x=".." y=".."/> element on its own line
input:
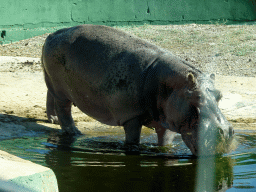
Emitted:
<point x="210" y="144"/>
<point x="193" y="149"/>
<point x="225" y="145"/>
<point x="190" y="142"/>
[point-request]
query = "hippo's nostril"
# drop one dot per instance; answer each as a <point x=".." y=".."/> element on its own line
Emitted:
<point x="221" y="131"/>
<point x="231" y="131"/>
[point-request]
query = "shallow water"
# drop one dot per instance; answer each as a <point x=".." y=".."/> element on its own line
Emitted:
<point x="98" y="162"/>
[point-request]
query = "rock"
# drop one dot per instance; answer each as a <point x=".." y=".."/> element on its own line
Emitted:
<point x="17" y="174"/>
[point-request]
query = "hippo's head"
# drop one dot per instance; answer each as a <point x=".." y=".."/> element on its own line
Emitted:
<point x="192" y="110"/>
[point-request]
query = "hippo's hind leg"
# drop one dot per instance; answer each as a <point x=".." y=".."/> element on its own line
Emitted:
<point x="50" y="109"/>
<point x="58" y="109"/>
<point x="63" y="110"/>
<point x="165" y="136"/>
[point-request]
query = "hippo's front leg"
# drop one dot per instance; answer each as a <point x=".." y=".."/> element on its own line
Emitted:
<point x="165" y="136"/>
<point x="63" y="110"/>
<point x="132" y="130"/>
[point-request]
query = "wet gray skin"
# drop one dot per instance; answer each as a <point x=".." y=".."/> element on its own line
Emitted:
<point x="119" y="79"/>
<point x="200" y="112"/>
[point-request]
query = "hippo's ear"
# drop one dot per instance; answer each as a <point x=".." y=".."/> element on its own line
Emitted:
<point x="191" y="81"/>
<point x="212" y="76"/>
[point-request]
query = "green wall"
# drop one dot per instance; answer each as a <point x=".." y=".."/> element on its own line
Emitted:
<point x="27" y="18"/>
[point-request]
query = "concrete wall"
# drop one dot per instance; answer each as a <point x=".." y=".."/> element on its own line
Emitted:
<point x="17" y="174"/>
<point x="27" y="18"/>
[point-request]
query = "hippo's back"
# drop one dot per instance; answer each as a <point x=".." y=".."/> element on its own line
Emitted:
<point x="101" y="69"/>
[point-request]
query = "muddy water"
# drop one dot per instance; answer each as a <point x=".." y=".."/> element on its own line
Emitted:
<point x="97" y="162"/>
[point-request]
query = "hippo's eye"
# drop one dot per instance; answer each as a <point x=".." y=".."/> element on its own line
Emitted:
<point x="195" y="111"/>
<point x="198" y="110"/>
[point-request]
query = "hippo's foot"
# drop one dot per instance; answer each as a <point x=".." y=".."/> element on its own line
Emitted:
<point x="165" y="136"/>
<point x="131" y="149"/>
<point x="71" y="130"/>
<point x="53" y="119"/>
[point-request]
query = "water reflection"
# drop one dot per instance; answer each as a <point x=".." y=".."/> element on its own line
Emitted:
<point x="224" y="173"/>
<point x="115" y="169"/>
<point x="91" y="163"/>
<point x="245" y="162"/>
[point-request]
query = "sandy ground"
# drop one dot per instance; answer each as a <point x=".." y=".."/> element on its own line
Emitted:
<point x="23" y="98"/>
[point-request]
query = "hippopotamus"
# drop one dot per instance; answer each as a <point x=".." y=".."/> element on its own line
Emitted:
<point x="122" y="80"/>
